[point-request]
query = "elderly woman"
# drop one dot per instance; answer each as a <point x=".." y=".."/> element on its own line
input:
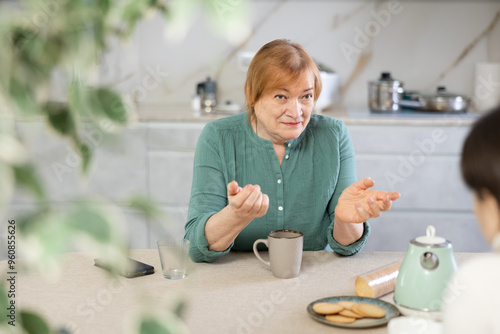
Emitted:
<point x="279" y="166"/>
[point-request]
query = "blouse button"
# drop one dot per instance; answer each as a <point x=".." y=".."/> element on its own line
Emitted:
<point x="280" y="208"/>
<point x="287" y="156"/>
<point x="289" y="144"/>
<point x="279" y="181"/>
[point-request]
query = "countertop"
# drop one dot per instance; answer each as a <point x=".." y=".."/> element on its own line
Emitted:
<point x="234" y="294"/>
<point x="356" y="115"/>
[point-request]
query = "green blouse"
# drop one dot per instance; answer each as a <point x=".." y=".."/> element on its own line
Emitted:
<point x="303" y="191"/>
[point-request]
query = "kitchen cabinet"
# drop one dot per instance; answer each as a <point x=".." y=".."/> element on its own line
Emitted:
<point x="423" y="164"/>
<point x="419" y="159"/>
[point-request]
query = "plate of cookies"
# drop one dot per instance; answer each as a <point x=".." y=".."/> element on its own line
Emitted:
<point x="352" y="311"/>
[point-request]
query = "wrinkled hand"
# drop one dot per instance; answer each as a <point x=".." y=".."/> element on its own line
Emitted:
<point x="247" y="202"/>
<point x="358" y="202"/>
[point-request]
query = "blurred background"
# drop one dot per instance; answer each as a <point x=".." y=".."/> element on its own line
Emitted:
<point x="422" y="43"/>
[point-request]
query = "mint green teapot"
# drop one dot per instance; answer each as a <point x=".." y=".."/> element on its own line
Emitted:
<point x="424" y="274"/>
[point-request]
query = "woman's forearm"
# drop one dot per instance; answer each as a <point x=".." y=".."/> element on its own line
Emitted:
<point x="222" y="228"/>
<point x="346" y="233"/>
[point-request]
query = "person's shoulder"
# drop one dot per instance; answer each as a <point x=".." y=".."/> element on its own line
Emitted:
<point x="226" y="124"/>
<point x="478" y="275"/>
<point x="229" y="122"/>
<point x="482" y="263"/>
<point x="472" y="293"/>
<point x="322" y="123"/>
<point x="318" y="120"/>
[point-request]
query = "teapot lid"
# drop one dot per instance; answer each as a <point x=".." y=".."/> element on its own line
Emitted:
<point x="430" y="239"/>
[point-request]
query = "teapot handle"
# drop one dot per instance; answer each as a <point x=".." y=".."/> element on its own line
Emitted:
<point x="430" y="231"/>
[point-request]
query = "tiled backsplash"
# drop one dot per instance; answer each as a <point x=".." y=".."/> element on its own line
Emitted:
<point x="422" y="43"/>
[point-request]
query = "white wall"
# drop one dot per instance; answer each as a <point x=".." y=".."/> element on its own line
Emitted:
<point x="423" y="43"/>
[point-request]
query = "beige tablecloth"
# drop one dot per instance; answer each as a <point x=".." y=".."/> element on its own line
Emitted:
<point x="235" y="294"/>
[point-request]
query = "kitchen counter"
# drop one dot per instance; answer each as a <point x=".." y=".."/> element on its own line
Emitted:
<point x="350" y="115"/>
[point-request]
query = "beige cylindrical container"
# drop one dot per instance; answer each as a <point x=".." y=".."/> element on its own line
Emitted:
<point x="377" y="282"/>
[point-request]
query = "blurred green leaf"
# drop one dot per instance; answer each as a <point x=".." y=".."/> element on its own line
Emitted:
<point x="27" y="177"/>
<point x="104" y="6"/>
<point x="11" y="150"/>
<point x="48" y="236"/>
<point x="100" y="226"/>
<point x="86" y="154"/>
<point x="133" y="11"/>
<point x="4" y="303"/>
<point x="19" y="35"/>
<point x="144" y="205"/>
<point x="67" y="35"/>
<point x="161" y="323"/>
<point x="55" y="48"/>
<point x="61" y="119"/>
<point x="66" y="118"/>
<point x="180" y="308"/>
<point x="23" y="96"/>
<point x="7" y="188"/>
<point x="91" y="222"/>
<point x="84" y="225"/>
<point x="108" y="104"/>
<point x="25" y="222"/>
<point x="77" y="98"/>
<point x="35" y="60"/>
<point x="33" y="323"/>
<point x="152" y="326"/>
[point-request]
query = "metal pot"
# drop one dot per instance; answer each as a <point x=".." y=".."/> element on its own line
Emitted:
<point x="441" y="101"/>
<point x="384" y="94"/>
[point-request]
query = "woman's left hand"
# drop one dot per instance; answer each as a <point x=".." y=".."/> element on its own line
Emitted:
<point x="358" y="202"/>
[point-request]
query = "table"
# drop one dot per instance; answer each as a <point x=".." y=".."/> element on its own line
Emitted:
<point x="235" y="294"/>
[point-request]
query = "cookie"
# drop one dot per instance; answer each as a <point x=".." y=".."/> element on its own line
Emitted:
<point x="327" y="308"/>
<point x="350" y="314"/>
<point x="346" y="304"/>
<point x="339" y="319"/>
<point x="369" y="310"/>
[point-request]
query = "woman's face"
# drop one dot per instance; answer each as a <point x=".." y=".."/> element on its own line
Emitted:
<point x="283" y="113"/>
<point x="488" y="213"/>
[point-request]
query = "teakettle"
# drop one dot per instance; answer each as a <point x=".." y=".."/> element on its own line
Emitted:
<point x="423" y="276"/>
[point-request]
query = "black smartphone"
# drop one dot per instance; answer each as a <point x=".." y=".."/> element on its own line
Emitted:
<point x="133" y="268"/>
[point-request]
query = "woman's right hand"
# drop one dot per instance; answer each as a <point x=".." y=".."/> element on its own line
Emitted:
<point x="245" y="204"/>
<point x="248" y="202"/>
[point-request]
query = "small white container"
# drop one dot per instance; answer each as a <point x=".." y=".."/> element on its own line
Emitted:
<point x="486" y="86"/>
<point x="329" y="91"/>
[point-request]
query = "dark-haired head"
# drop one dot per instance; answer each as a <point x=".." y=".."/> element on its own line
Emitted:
<point x="481" y="172"/>
<point x="481" y="156"/>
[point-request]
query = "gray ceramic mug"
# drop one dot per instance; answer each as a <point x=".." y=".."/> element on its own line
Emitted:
<point x="285" y="252"/>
